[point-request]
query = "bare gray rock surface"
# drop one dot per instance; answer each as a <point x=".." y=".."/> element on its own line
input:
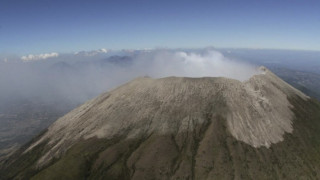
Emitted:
<point x="257" y="111"/>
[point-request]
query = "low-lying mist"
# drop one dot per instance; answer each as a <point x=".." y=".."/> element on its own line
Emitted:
<point x="76" y="78"/>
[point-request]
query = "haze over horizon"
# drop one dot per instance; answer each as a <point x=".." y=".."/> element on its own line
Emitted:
<point x="38" y="27"/>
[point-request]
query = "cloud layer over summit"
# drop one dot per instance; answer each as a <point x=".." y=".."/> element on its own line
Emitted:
<point x="78" y="77"/>
<point x="191" y="64"/>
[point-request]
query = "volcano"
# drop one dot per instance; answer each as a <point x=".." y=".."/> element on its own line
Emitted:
<point x="180" y="128"/>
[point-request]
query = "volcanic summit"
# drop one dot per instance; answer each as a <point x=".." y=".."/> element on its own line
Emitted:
<point x="181" y="128"/>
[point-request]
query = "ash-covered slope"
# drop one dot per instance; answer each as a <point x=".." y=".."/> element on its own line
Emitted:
<point x="181" y="128"/>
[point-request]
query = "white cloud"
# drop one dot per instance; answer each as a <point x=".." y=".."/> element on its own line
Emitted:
<point x="186" y="64"/>
<point x="79" y="81"/>
<point x="32" y="57"/>
<point x="103" y="50"/>
<point x="91" y="53"/>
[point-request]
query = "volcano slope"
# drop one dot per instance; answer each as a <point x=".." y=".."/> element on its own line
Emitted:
<point x="180" y="128"/>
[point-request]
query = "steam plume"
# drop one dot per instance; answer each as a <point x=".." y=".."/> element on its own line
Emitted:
<point x="77" y="78"/>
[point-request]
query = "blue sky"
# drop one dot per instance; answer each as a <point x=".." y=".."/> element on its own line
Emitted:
<point x="41" y="26"/>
